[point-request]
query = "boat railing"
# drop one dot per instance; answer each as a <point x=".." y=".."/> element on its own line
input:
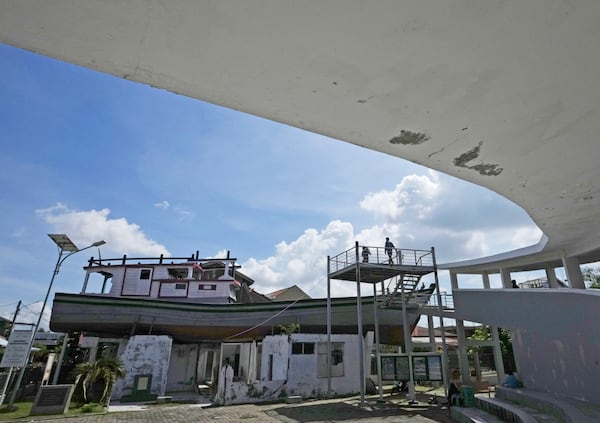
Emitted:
<point x="125" y="260"/>
<point x="381" y="255"/>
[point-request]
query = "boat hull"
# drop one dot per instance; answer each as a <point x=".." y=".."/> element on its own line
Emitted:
<point x="193" y="322"/>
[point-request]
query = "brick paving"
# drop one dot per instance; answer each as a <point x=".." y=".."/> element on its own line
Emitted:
<point x="334" y="410"/>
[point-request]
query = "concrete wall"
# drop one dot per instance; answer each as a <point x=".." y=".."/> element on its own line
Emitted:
<point x="303" y="373"/>
<point x="145" y="354"/>
<point x="182" y="368"/>
<point x="556" y="337"/>
<point x="297" y="374"/>
<point x="277" y="346"/>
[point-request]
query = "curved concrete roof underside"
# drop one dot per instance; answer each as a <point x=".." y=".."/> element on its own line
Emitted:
<point x="504" y="94"/>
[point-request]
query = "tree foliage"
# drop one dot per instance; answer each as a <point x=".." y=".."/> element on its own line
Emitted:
<point x="591" y="276"/>
<point x="289" y="328"/>
<point x="106" y="370"/>
<point x="483" y="333"/>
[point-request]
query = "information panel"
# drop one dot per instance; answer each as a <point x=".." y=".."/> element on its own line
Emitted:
<point x="52" y="399"/>
<point x="426" y="367"/>
<point x="395" y="367"/>
<point x="17" y="350"/>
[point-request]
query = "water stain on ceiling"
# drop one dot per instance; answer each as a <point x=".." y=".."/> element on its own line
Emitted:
<point x="486" y="169"/>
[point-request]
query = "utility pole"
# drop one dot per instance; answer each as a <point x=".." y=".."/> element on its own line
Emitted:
<point x="7" y="381"/>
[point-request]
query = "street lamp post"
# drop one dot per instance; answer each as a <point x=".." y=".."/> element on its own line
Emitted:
<point x="64" y="244"/>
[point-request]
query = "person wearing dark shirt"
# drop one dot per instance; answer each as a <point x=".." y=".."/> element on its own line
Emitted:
<point x="389" y="249"/>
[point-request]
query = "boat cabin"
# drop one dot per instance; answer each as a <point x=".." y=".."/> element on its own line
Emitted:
<point x="178" y="279"/>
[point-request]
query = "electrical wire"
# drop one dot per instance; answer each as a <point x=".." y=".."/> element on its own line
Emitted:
<point x="261" y="323"/>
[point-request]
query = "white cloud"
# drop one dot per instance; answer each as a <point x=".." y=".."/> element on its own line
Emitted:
<point x="422" y="211"/>
<point x="162" y="205"/>
<point x="303" y="262"/>
<point x="86" y="227"/>
<point x="183" y="214"/>
<point x="414" y="196"/>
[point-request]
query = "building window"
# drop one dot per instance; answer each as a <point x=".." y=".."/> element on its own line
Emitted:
<point x="303" y="347"/>
<point x="145" y="273"/>
<point x="207" y="287"/>
<point x="337" y="359"/>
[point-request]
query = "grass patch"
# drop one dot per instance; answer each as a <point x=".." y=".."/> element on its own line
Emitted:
<point x="20" y="409"/>
<point x="23" y="408"/>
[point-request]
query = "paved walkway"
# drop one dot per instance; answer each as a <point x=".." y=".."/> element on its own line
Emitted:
<point x="394" y="409"/>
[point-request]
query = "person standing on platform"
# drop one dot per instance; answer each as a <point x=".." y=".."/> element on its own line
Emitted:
<point x="365" y="254"/>
<point x="389" y="249"/>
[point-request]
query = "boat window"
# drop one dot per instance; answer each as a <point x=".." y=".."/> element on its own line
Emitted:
<point x="98" y="283"/>
<point x="210" y="274"/>
<point x="145" y="273"/>
<point x="207" y="287"/>
<point x="178" y="272"/>
<point x="180" y="286"/>
<point x="196" y="273"/>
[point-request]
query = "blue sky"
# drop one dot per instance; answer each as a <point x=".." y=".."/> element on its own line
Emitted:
<point x="149" y="171"/>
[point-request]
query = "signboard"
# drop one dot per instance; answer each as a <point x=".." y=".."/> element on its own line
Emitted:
<point x="17" y="350"/>
<point x="434" y="367"/>
<point x="52" y="399"/>
<point x="420" y="368"/>
<point x="394" y="367"/>
<point x="426" y="367"/>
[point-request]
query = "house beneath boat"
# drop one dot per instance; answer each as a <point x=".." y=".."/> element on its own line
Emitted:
<point x="195" y="327"/>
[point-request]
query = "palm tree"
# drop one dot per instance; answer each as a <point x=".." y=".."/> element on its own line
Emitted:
<point x="108" y="370"/>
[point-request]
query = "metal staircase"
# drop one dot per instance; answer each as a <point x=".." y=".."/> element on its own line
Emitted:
<point x="404" y="282"/>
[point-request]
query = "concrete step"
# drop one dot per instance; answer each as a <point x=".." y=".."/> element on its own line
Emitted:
<point x="472" y="415"/>
<point x="505" y="410"/>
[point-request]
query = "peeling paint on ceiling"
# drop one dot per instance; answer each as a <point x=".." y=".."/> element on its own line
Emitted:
<point x="410" y="138"/>
<point x="486" y="169"/>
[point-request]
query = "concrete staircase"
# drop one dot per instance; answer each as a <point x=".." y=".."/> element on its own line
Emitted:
<point x="524" y="406"/>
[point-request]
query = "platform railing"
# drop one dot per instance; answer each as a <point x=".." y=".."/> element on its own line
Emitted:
<point x="447" y="301"/>
<point x="381" y="255"/>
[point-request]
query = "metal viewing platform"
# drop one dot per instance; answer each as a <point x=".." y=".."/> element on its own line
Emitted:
<point x="376" y="265"/>
<point x="401" y="269"/>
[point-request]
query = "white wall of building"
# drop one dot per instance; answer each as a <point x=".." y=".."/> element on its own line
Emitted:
<point x="556" y="340"/>
<point x="287" y="369"/>
<point x="275" y="350"/>
<point x="143" y="355"/>
<point x="182" y="368"/>
<point x="307" y="374"/>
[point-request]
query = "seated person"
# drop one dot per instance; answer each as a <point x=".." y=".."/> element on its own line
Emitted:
<point x="510" y="381"/>
<point x="453" y="395"/>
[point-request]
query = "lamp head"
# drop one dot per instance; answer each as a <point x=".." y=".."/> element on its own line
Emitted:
<point x="98" y="243"/>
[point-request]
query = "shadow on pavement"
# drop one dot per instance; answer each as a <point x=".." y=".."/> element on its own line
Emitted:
<point x="351" y="411"/>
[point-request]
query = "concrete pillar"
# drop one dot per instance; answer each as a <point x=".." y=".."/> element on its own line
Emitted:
<point x="453" y="280"/>
<point x="505" y="278"/>
<point x="497" y="354"/>
<point x="463" y="359"/>
<point x="551" y="275"/>
<point x="486" y="280"/>
<point x="431" y="330"/>
<point x="573" y="271"/>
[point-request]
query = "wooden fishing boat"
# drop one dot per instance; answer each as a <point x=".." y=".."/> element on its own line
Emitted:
<point x="195" y="300"/>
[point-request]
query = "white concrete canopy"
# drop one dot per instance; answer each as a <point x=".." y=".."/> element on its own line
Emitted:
<point x="504" y="94"/>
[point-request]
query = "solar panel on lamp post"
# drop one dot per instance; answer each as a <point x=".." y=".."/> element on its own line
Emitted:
<point x="64" y="244"/>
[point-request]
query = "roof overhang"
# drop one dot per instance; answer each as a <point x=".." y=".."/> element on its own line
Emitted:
<point x="500" y="93"/>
